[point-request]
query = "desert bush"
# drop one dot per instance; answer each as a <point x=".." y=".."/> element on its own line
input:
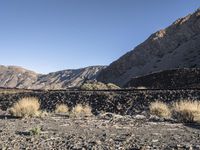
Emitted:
<point x="87" y="86"/>
<point x="160" y="109"/>
<point x="62" y="108"/>
<point x="82" y="111"/>
<point x="99" y="86"/>
<point x="94" y="86"/>
<point x="187" y="111"/>
<point x="43" y="114"/>
<point x="35" y="131"/>
<point x="26" y="107"/>
<point x="112" y="86"/>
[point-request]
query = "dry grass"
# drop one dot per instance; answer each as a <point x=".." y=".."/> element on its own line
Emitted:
<point x="26" y="107"/>
<point x="82" y="111"/>
<point x="62" y="108"/>
<point x="160" y="109"/>
<point x="187" y="111"/>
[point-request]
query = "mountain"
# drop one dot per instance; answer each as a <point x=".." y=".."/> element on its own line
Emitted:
<point x="67" y="78"/>
<point x="168" y="79"/>
<point x="18" y="77"/>
<point x="177" y="46"/>
<point x="13" y="76"/>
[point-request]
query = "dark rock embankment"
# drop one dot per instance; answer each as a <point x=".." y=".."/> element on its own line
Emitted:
<point x="119" y="102"/>
<point x="169" y="79"/>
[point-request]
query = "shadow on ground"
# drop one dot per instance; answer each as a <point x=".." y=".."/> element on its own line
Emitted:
<point x="8" y="117"/>
<point x="193" y="125"/>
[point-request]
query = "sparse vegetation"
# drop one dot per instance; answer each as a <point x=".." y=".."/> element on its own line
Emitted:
<point x="62" y="108"/>
<point x="35" y="131"/>
<point x="187" y="111"/>
<point x="99" y="86"/>
<point x="43" y="114"/>
<point x="160" y="109"/>
<point x="26" y="107"/>
<point x="82" y="111"/>
<point x="112" y="86"/>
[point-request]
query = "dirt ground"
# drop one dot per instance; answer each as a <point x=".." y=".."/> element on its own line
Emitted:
<point x="104" y="132"/>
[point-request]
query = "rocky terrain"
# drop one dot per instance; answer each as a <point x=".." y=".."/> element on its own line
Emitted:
<point x="12" y="76"/>
<point x="119" y="102"/>
<point x="121" y="121"/>
<point x="177" y="46"/>
<point x="17" y="77"/>
<point x="169" y="79"/>
<point x="105" y="131"/>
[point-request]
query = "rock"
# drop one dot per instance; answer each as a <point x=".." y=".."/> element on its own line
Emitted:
<point x="155" y="118"/>
<point x="142" y="117"/>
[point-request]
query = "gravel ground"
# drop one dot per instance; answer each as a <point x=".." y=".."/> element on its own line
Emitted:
<point x="104" y="132"/>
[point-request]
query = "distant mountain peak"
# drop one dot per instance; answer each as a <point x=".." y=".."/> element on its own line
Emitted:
<point x="18" y="77"/>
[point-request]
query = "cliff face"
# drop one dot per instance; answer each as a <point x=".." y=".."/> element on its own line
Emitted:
<point x="177" y="46"/>
<point x="17" y="77"/>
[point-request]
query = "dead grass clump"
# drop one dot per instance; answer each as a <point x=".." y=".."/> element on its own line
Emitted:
<point x="187" y="111"/>
<point x="82" y="111"/>
<point x="62" y="108"/>
<point x="26" y="107"/>
<point x="160" y="109"/>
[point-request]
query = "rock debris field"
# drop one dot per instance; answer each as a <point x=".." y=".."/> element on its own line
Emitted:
<point x="126" y="125"/>
<point x="101" y="132"/>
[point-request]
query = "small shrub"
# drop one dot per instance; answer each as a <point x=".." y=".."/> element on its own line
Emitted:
<point x="80" y="111"/>
<point x="43" y="114"/>
<point x="99" y="86"/>
<point x="87" y="110"/>
<point x="62" y="108"/>
<point x="112" y="86"/>
<point x="160" y="109"/>
<point x="87" y="86"/>
<point x="26" y="107"/>
<point x="187" y="111"/>
<point x="35" y="131"/>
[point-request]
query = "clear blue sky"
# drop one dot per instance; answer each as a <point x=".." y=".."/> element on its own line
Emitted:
<point x="51" y="35"/>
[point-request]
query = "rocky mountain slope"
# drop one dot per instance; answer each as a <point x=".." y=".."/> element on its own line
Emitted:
<point x="168" y="79"/>
<point x="17" y="77"/>
<point x="177" y="46"/>
<point x="12" y="76"/>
